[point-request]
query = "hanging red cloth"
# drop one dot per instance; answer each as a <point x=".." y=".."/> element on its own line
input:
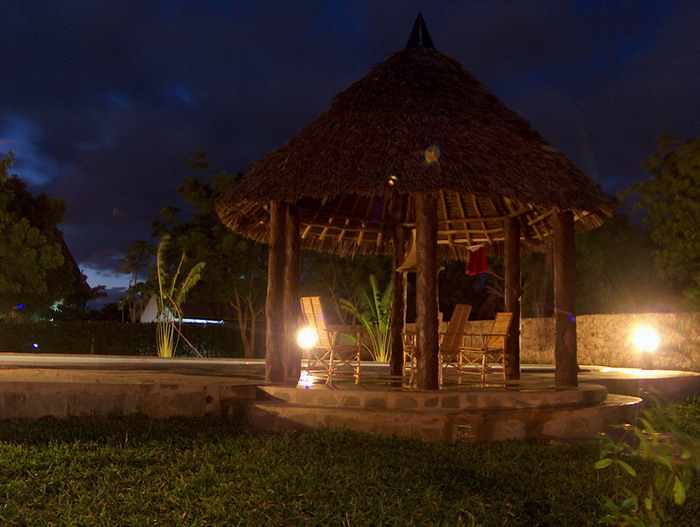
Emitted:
<point x="477" y="262"/>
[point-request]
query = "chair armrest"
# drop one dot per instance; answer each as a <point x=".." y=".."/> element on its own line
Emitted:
<point x="344" y="328"/>
<point x="484" y="334"/>
<point x="483" y="337"/>
<point x="337" y="331"/>
<point x="356" y="331"/>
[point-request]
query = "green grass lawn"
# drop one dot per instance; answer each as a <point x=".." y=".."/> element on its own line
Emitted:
<point x="139" y="471"/>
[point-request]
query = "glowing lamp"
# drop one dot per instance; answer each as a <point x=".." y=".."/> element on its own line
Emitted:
<point x="646" y="339"/>
<point x="432" y="154"/>
<point x="307" y="337"/>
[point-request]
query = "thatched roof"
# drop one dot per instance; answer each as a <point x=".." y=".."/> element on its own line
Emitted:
<point x="418" y="122"/>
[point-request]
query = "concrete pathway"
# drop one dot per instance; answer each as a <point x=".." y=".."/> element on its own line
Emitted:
<point x="37" y="385"/>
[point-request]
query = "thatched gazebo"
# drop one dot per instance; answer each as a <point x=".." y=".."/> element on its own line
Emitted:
<point x="417" y="144"/>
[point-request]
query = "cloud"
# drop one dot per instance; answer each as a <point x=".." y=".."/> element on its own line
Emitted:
<point x="106" y="100"/>
<point x="20" y="136"/>
<point x="112" y="294"/>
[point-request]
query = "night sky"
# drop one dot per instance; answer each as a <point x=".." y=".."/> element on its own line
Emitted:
<point x="103" y="101"/>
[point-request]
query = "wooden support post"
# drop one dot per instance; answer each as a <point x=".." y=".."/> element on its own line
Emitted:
<point x="513" y="293"/>
<point x="274" y="301"/>
<point x="427" y="345"/>
<point x="292" y="309"/>
<point x="566" y="366"/>
<point x="398" y="305"/>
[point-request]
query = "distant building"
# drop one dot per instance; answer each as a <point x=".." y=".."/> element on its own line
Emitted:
<point x="194" y="312"/>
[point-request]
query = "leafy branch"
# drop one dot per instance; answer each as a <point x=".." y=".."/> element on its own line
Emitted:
<point x="171" y="296"/>
<point x="374" y="313"/>
<point x="675" y="455"/>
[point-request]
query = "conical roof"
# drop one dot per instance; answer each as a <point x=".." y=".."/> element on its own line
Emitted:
<point x="420" y="37"/>
<point x="416" y="123"/>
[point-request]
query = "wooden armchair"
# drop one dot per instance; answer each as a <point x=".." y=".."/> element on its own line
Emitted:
<point x="337" y="350"/>
<point x="450" y="341"/>
<point x="485" y="350"/>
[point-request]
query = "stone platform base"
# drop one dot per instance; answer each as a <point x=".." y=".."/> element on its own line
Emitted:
<point x="31" y="400"/>
<point x="33" y="386"/>
<point x="450" y="415"/>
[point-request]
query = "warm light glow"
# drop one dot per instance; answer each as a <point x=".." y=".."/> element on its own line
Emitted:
<point x="646" y="339"/>
<point x="432" y="154"/>
<point x="392" y="180"/>
<point x="307" y="337"/>
<point x="305" y="379"/>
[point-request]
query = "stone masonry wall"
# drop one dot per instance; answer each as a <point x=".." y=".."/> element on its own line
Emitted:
<point x="605" y="340"/>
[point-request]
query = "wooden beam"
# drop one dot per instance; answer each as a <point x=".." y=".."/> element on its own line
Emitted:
<point x="541" y="217"/>
<point x="513" y="293"/>
<point x="292" y="308"/>
<point x="566" y="366"/>
<point x="485" y="232"/>
<point x="325" y="228"/>
<point x="274" y="301"/>
<point x="427" y="348"/>
<point x="447" y="222"/>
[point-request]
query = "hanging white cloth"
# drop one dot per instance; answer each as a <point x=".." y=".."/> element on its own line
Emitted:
<point x="409" y="261"/>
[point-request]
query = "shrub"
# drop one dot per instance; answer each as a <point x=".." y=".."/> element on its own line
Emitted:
<point x="114" y="338"/>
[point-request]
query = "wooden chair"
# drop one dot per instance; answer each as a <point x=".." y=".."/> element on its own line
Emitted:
<point x="450" y="341"/>
<point x="409" y="356"/>
<point x="485" y="350"/>
<point x="338" y="348"/>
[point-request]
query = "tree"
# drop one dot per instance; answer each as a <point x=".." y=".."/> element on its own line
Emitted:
<point x="615" y="271"/>
<point x="334" y="277"/>
<point x="138" y="257"/>
<point x="235" y="270"/>
<point x="484" y="292"/>
<point x="671" y="199"/>
<point x="35" y="271"/>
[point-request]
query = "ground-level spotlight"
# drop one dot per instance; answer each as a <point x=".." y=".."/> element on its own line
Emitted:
<point x="307" y="338"/>
<point x="647" y="341"/>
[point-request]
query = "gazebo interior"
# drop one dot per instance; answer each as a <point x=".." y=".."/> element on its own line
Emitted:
<point x="416" y="150"/>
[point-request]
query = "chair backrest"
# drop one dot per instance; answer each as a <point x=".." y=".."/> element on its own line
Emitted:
<point x="501" y="326"/>
<point x="313" y="313"/>
<point x="455" y="328"/>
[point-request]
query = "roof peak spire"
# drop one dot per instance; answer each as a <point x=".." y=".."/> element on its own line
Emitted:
<point x="420" y="38"/>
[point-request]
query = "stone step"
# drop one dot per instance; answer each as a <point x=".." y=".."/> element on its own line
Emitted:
<point x="518" y="396"/>
<point x="448" y="424"/>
